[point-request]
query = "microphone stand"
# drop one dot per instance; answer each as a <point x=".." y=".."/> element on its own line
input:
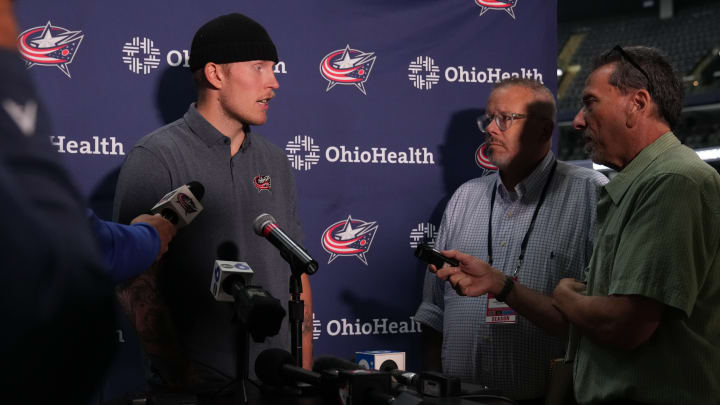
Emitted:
<point x="243" y="352"/>
<point x="296" y="315"/>
<point x="296" y="311"/>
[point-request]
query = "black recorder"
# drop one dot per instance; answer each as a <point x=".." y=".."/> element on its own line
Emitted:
<point x="431" y="256"/>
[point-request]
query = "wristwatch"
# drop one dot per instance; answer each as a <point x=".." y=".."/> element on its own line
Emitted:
<point x="509" y="284"/>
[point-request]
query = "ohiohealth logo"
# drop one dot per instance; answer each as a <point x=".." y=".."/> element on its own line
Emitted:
<point x="49" y="45"/>
<point x="347" y="67"/>
<point x="141" y="55"/>
<point x="375" y="326"/>
<point x="423" y="73"/>
<point x="506" y="5"/>
<point x="424" y="232"/>
<point x="349" y="237"/>
<point x="302" y="152"/>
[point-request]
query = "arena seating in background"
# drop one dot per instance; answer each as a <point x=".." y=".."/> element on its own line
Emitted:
<point x="690" y="39"/>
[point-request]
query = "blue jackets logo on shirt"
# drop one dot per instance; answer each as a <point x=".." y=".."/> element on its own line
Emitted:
<point x="262" y="183"/>
<point x="349" y="237"/>
<point x="49" y="45"/>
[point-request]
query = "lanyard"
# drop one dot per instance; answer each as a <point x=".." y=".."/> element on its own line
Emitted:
<point x="523" y="246"/>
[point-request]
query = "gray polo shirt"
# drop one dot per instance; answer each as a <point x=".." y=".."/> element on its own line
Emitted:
<point x="191" y="149"/>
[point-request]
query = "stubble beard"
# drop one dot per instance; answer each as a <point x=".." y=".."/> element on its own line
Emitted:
<point x="590" y="148"/>
<point x="499" y="161"/>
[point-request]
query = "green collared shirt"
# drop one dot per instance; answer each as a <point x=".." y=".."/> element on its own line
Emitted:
<point x="659" y="237"/>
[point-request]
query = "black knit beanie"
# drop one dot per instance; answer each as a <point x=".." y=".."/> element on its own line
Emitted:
<point x="231" y="38"/>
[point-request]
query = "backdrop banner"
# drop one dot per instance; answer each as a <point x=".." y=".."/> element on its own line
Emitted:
<point x="376" y="111"/>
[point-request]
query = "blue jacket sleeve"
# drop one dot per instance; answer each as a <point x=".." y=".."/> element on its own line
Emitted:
<point x="128" y="250"/>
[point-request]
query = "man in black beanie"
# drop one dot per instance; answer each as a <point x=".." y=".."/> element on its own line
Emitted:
<point x="188" y="337"/>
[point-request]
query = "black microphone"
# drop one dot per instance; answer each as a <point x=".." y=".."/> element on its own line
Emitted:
<point x="181" y="205"/>
<point x="277" y="367"/>
<point x="265" y="225"/>
<point x="261" y="313"/>
<point x="406" y="378"/>
<point x="402" y="377"/>
<point x="227" y="251"/>
<point x="327" y="363"/>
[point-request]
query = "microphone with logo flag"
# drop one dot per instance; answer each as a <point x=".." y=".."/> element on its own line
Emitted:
<point x="181" y="205"/>
<point x="260" y="312"/>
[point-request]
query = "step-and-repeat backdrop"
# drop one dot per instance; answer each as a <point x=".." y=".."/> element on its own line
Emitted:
<point x="376" y="111"/>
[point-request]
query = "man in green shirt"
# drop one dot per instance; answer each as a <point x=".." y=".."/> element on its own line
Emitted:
<point x="649" y="317"/>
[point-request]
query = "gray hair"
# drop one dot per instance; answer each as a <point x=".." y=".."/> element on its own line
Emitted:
<point x="548" y="111"/>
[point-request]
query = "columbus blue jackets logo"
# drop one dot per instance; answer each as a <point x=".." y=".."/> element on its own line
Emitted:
<point x="262" y="182"/>
<point x="347" y="67"/>
<point x="349" y="237"/>
<point x="49" y="45"/>
<point x="483" y="161"/>
<point x="504" y="5"/>
<point x="187" y="203"/>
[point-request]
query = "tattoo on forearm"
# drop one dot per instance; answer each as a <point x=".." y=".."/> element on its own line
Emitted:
<point x="307" y="326"/>
<point x="142" y="304"/>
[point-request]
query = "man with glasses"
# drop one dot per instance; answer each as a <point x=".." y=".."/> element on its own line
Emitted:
<point x="649" y="317"/>
<point x="522" y="229"/>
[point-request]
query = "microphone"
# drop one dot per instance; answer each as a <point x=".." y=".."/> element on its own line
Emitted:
<point x="181" y="205"/>
<point x="402" y="377"/>
<point x="256" y="308"/>
<point x="228" y="274"/>
<point x="354" y="386"/>
<point x="332" y="363"/>
<point x="342" y="373"/>
<point x="277" y="367"/>
<point x="265" y="225"/>
<point x="357" y="385"/>
<point x="406" y="378"/>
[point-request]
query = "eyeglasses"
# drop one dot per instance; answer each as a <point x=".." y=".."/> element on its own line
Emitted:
<point x="631" y="61"/>
<point x="503" y="121"/>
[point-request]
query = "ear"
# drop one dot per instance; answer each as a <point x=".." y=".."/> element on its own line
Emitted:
<point x="639" y="106"/>
<point x="214" y="74"/>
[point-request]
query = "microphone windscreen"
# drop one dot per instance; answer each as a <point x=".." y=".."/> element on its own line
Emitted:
<point x="323" y="363"/>
<point x="261" y="222"/>
<point x="268" y="365"/>
<point x="227" y="251"/>
<point x="266" y="318"/>
<point x="197" y="189"/>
